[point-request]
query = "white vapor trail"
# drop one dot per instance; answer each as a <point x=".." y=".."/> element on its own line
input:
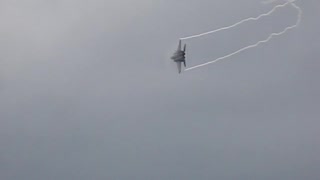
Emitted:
<point x="238" y="23"/>
<point x="291" y="2"/>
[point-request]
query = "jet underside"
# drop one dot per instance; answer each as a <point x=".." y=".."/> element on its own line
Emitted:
<point x="179" y="56"/>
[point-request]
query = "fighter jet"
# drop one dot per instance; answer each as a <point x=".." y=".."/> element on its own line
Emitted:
<point x="179" y="56"/>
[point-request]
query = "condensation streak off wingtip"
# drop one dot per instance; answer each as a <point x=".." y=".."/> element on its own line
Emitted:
<point x="240" y="22"/>
<point x="245" y="20"/>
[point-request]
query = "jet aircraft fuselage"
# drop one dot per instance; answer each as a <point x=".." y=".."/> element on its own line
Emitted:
<point x="179" y="56"/>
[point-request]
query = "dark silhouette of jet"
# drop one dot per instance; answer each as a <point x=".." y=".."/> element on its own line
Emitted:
<point x="179" y="56"/>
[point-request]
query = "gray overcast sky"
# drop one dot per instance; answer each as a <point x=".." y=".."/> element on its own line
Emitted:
<point x="88" y="91"/>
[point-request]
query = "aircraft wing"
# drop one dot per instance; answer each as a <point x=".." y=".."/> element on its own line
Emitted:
<point x="179" y="66"/>
<point x="179" y="46"/>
